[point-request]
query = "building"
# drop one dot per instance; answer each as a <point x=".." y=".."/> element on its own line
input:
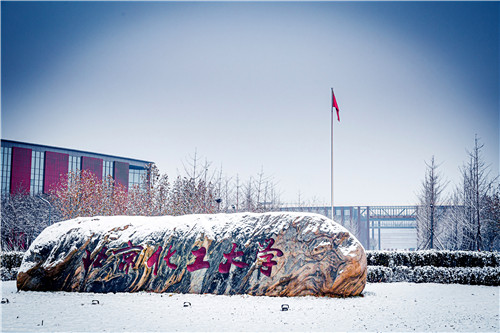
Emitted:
<point x="33" y="168"/>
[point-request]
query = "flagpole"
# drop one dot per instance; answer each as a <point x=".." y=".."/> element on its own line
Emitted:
<point x="333" y="212"/>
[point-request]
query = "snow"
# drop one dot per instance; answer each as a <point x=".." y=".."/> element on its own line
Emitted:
<point x="349" y="251"/>
<point x="383" y="307"/>
<point x="120" y="229"/>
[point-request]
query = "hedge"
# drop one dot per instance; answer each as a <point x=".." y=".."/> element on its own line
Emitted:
<point x="9" y="264"/>
<point x="488" y="276"/>
<point x="463" y="267"/>
<point x="8" y="274"/>
<point x="433" y="258"/>
<point x="11" y="260"/>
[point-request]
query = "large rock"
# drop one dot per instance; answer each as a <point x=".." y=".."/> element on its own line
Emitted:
<point x="275" y="254"/>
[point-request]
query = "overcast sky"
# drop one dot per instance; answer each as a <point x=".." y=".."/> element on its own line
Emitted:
<point x="248" y="86"/>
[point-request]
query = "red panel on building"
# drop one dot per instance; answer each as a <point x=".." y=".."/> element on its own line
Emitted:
<point x="92" y="164"/>
<point x="121" y="173"/>
<point x="56" y="164"/>
<point x="21" y="170"/>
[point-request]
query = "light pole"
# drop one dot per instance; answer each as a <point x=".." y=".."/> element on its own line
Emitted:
<point x="432" y="226"/>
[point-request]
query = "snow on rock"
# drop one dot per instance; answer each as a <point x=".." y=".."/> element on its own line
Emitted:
<point x="271" y="254"/>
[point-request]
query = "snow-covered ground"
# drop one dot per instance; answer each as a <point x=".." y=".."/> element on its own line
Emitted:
<point x="383" y="307"/>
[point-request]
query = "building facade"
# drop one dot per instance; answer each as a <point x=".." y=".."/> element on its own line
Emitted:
<point x="34" y="169"/>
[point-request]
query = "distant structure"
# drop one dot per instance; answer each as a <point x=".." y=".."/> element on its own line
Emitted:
<point x="376" y="227"/>
<point x="33" y="168"/>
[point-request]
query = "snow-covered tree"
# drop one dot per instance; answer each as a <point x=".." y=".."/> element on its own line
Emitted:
<point x="477" y="185"/>
<point x="351" y="224"/>
<point x="23" y="217"/>
<point x="453" y="221"/>
<point x="473" y="221"/>
<point x="190" y="196"/>
<point x="218" y="193"/>
<point x="83" y="194"/>
<point x="429" y="217"/>
<point x="226" y="193"/>
<point x="152" y="197"/>
<point x="491" y="220"/>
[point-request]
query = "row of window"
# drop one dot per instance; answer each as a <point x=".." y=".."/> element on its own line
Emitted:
<point x="74" y="164"/>
<point x="37" y="159"/>
<point x="136" y="176"/>
<point x="107" y="169"/>
<point x="5" y="164"/>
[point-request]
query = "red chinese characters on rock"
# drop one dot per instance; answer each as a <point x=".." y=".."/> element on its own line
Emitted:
<point x="100" y="257"/>
<point x="267" y="266"/>
<point x="87" y="261"/>
<point x="225" y="267"/>
<point x="199" y="263"/>
<point x="154" y="260"/>
<point x="130" y="253"/>
<point x="128" y="256"/>
<point x="97" y="261"/>
<point x="167" y="258"/>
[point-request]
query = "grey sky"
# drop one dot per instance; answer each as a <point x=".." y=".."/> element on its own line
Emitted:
<point x="248" y="85"/>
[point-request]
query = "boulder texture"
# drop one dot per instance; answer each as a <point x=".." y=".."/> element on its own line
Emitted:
<point x="272" y="254"/>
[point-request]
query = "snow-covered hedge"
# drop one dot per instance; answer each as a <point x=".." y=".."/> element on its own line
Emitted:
<point x="433" y="258"/>
<point x="8" y="274"/>
<point x="9" y="264"/>
<point x="11" y="260"/>
<point x="489" y="276"/>
<point x="463" y="267"/>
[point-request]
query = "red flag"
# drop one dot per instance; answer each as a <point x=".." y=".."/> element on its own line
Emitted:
<point x="335" y="105"/>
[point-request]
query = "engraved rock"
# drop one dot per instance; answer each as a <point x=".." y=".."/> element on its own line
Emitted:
<point x="273" y="254"/>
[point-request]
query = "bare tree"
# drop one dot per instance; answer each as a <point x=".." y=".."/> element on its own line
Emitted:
<point x="453" y="221"/>
<point x="491" y="220"/>
<point x="238" y="186"/>
<point x="473" y="221"/>
<point x="83" y="194"/>
<point x="227" y="194"/>
<point x="300" y="203"/>
<point x="191" y="169"/>
<point x="476" y="187"/>
<point x="257" y="194"/>
<point x="428" y="220"/>
<point x="224" y="192"/>
<point x="351" y="224"/>
<point x="249" y="202"/>
<point x="263" y="187"/>
<point x="23" y="217"/>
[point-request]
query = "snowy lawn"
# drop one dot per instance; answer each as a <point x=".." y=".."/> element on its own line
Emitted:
<point x="383" y="307"/>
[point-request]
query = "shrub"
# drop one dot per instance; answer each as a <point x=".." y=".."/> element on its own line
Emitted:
<point x="9" y="264"/>
<point x="488" y="276"/>
<point x="11" y="260"/>
<point x="8" y="274"/>
<point x="433" y="258"/>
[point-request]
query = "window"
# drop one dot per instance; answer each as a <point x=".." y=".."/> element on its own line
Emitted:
<point x="107" y="169"/>
<point x="338" y="211"/>
<point x="136" y="177"/>
<point x="37" y="159"/>
<point x="74" y="164"/>
<point x="6" y="169"/>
